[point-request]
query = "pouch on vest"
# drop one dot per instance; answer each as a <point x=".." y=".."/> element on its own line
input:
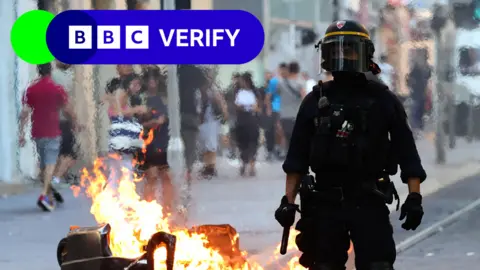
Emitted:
<point x="340" y="134"/>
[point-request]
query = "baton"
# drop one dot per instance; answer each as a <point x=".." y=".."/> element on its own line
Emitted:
<point x="284" y="243"/>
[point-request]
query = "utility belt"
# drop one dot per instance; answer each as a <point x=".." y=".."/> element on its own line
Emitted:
<point x="322" y="192"/>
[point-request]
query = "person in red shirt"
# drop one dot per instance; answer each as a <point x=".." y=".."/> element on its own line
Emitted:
<point x="42" y="103"/>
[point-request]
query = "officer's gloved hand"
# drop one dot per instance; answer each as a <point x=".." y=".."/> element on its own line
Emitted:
<point x="412" y="209"/>
<point x="285" y="214"/>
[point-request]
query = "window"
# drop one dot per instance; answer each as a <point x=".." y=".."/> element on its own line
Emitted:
<point x="179" y="4"/>
<point x="469" y="61"/>
<point x="465" y="15"/>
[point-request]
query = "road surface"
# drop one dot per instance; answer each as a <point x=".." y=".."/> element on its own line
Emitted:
<point x="458" y="246"/>
<point x="29" y="237"/>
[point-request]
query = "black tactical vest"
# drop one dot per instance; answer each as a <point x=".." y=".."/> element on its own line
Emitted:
<point x="345" y="139"/>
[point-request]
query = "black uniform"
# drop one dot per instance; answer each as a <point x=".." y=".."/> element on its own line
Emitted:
<point x="352" y="133"/>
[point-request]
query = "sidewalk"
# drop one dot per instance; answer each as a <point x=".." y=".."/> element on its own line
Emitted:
<point x="462" y="162"/>
<point x="7" y="189"/>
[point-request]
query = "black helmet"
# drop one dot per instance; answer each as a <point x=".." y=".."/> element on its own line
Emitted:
<point x="347" y="46"/>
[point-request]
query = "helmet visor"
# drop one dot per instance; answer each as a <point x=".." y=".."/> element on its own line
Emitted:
<point x="344" y="53"/>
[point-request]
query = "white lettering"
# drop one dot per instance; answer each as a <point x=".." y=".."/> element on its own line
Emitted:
<point x="182" y="36"/>
<point x="80" y="37"/>
<point x="207" y="38"/>
<point x="217" y="36"/>
<point x="196" y="36"/>
<point x="167" y="41"/>
<point x="233" y="36"/>
<point x="136" y="37"/>
<point x="108" y="37"/>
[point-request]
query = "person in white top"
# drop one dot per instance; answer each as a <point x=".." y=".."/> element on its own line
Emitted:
<point x="309" y="82"/>
<point x="388" y="73"/>
<point x="247" y="126"/>
<point x="246" y="100"/>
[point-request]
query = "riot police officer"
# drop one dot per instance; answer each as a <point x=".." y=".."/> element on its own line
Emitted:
<point x="352" y="133"/>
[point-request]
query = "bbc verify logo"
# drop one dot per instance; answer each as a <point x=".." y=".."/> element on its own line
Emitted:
<point x="108" y="37"/>
<point x="155" y="37"/>
<point x="137" y="37"/>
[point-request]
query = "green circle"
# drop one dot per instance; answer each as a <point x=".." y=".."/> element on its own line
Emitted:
<point x="29" y="37"/>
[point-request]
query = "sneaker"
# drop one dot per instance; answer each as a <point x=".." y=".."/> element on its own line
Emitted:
<point x="56" y="180"/>
<point x="57" y="196"/>
<point x="45" y="203"/>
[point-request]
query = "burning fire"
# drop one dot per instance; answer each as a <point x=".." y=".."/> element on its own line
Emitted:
<point x="146" y="141"/>
<point x="133" y="221"/>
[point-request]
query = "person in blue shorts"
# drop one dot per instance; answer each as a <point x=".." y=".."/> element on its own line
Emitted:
<point x="272" y="107"/>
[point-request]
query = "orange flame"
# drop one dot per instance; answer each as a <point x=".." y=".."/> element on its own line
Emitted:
<point x="133" y="221"/>
<point x="146" y="141"/>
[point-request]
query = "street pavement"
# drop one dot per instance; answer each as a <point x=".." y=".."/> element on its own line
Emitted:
<point x="28" y="237"/>
<point x="456" y="247"/>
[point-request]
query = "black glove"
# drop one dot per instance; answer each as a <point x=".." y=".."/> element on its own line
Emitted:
<point x="412" y="209"/>
<point x="285" y="214"/>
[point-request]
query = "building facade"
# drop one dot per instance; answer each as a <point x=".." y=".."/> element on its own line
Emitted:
<point x="277" y="16"/>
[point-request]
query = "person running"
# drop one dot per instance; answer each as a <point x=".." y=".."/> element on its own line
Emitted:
<point x="63" y="76"/>
<point x="125" y="130"/>
<point x="43" y="101"/>
<point x="156" y="165"/>
<point x="247" y="124"/>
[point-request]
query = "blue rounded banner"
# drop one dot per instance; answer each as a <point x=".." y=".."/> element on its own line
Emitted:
<point x="155" y="37"/>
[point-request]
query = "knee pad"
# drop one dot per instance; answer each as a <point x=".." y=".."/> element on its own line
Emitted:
<point x="381" y="266"/>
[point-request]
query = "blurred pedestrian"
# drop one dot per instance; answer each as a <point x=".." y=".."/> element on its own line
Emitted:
<point x="214" y="111"/>
<point x="417" y="81"/>
<point x="147" y="71"/>
<point x="63" y="76"/>
<point x="232" y="111"/>
<point x="190" y="79"/>
<point x="273" y="134"/>
<point x="123" y="72"/>
<point x="125" y="129"/>
<point x="247" y="128"/>
<point x="155" y="160"/>
<point x="43" y="101"/>
<point x="292" y="92"/>
<point x="264" y="120"/>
